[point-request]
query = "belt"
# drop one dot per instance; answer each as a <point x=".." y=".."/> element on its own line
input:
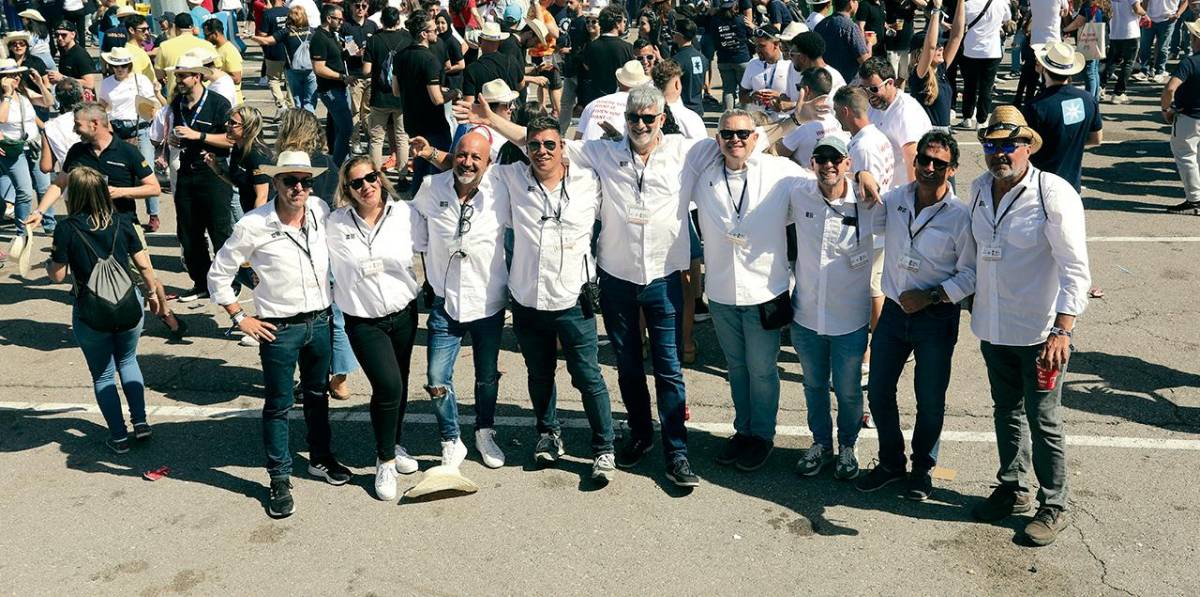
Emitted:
<point x="297" y="318"/>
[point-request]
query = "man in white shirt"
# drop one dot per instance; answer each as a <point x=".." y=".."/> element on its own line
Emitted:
<point x="1033" y="281"/>
<point x="806" y="51"/>
<point x="832" y="304"/>
<point x="610" y="109"/>
<point x="1045" y="23"/>
<point x="742" y="201"/>
<point x="764" y="84"/>
<point x="1164" y="16"/>
<point x="667" y="75"/>
<point x="897" y="114"/>
<point x="981" y="53"/>
<point x="814" y="116"/>
<point x="284" y="241"/>
<point x="464" y="264"/>
<point x="929" y="266"/>
<point x="550" y="279"/>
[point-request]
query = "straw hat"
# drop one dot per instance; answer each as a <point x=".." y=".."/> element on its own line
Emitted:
<point x="126" y="11"/>
<point x="1007" y="122"/>
<point x="491" y="32"/>
<point x="291" y="161"/>
<point x="32" y="15"/>
<point x="22" y="251"/>
<point x="441" y="480"/>
<point x="12" y="36"/>
<point x="1194" y="27"/>
<point x="632" y="74"/>
<point x="1059" y="58"/>
<point x="497" y="92"/>
<point x="9" y="66"/>
<point x="190" y="63"/>
<point x="792" y="30"/>
<point x="540" y="30"/>
<point x="119" y="56"/>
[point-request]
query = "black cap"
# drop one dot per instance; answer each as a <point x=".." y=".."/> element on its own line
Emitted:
<point x="66" y="26"/>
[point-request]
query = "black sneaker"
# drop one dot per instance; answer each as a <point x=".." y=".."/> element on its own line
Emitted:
<point x="878" y="478"/>
<point x="1187" y="208"/>
<point x="680" y="473"/>
<point x="1005" y="501"/>
<point x="141" y="431"/>
<point x="732" y="450"/>
<point x="702" y="313"/>
<point x="920" y="486"/>
<point x="193" y="295"/>
<point x="329" y="469"/>
<point x="755" y="455"/>
<point x="632" y="451"/>
<point x="118" y="446"/>
<point x="281" y="504"/>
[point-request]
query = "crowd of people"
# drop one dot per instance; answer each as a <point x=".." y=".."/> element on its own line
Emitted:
<point x="826" y="204"/>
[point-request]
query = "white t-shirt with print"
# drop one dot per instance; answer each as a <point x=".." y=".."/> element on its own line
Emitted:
<point x="803" y="139"/>
<point x="760" y="75"/>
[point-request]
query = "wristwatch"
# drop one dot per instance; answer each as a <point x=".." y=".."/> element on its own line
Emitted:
<point x="1057" y="331"/>
<point x="936" y="296"/>
<point x="238" y="317"/>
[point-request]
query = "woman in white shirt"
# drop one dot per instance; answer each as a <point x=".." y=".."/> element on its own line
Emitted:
<point x="18" y="127"/>
<point x="370" y="239"/>
<point x="120" y="92"/>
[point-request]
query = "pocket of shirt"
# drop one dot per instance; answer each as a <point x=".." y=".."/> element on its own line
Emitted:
<point x="1024" y="234"/>
<point x="934" y="243"/>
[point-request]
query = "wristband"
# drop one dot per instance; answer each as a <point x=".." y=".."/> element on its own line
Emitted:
<point x="238" y="317"/>
<point x="1057" y="331"/>
<point x="203" y="136"/>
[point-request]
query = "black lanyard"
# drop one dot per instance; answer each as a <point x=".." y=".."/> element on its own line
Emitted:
<point x="366" y="238"/>
<point x="737" y="208"/>
<point x="305" y="247"/>
<point x="847" y="220"/>
<point x="564" y="198"/>
<point x="639" y="177"/>
<point x="912" y="236"/>
<point x="996" y="224"/>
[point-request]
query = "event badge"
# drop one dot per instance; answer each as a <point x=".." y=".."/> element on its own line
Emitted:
<point x="859" y="260"/>
<point x="910" y="261"/>
<point x="371" y="267"/>
<point x="991" y="253"/>
<point x="637" y="214"/>
<point x="455" y="245"/>
<point x="736" y="237"/>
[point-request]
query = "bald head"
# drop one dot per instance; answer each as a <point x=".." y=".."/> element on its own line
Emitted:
<point x="471" y="158"/>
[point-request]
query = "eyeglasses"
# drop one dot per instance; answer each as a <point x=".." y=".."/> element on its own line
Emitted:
<point x="290" y="181"/>
<point x="875" y="89"/>
<point x="535" y="146"/>
<point x="142" y="29"/>
<point x="924" y="161"/>
<point x="992" y="147"/>
<point x="825" y="158"/>
<point x="729" y="134"/>
<point x="358" y="183"/>
<point x="464" y="220"/>
<point x="647" y="119"/>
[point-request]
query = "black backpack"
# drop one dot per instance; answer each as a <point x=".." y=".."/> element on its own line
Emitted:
<point x="108" y="301"/>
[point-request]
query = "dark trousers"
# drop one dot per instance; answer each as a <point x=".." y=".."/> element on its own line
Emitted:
<point x="661" y="301"/>
<point x="1027" y="420"/>
<point x="421" y="167"/>
<point x="979" y="76"/>
<point x="537" y="332"/>
<point x="202" y="204"/>
<point x="308" y="344"/>
<point x="383" y="346"/>
<point x="931" y="334"/>
<point x="1030" y="82"/>
<point x="1121" y="54"/>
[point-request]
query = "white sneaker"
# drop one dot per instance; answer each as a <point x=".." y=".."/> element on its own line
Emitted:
<point x="405" y="464"/>
<point x="385" y="480"/>
<point x="248" y="341"/>
<point x="1161" y="78"/>
<point x="454" y="452"/>
<point x="485" y="442"/>
<point x="967" y="123"/>
<point x="1121" y="99"/>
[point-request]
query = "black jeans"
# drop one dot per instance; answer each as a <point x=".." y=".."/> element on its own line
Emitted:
<point x="1030" y="82"/>
<point x="1120" y="59"/>
<point x="979" y="76"/>
<point x="383" y="346"/>
<point x="202" y="204"/>
<point x="307" y="342"/>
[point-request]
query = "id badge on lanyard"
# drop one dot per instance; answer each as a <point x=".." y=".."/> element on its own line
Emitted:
<point x="991" y="252"/>
<point x="370" y="267"/>
<point x="859" y="260"/>
<point x="638" y="214"/>
<point x="911" y="260"/>
<point x="736" y="236"/>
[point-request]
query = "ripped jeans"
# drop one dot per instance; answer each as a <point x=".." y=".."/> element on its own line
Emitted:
<point x="444" y="341"/>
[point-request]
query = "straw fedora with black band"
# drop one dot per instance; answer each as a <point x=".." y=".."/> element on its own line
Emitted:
<point x="632" y="74"/>
<point x="1059" y="58"/>
<point x="190" y="63"/>
<point x="8" y="66"/>
<point x="497" y="92"/>
<point x="1007" y="123"/>
<point x="491" y="32"/>
<point x="540" y="30"/>
<point x="289" y="162"/>
<point x="119" y="56"/>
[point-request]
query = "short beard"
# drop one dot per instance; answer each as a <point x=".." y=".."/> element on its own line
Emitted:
<point x="465" y="178"/>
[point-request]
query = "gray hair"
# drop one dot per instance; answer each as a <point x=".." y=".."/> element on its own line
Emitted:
<point x="92" y="111"/>
<point x="645" y="96"/>
<point x="733" y="113"/>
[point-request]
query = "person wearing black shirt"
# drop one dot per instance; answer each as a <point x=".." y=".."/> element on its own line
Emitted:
<point x="332" y="80"/>
<point x="870" y="17"/>
<point x="1180" y="103"/>
<point x="387" y="110"/>
<point x="450" y="50"/>
<point x="246" y="158"/>
<point x="274" y="61"/>
<point x="606" y="55"/>
<point x="355" y="32"/>
<point x="417" y="79"/>
<point x="73" y="59"/>
<point x="693" y="64"/>
<point x="202" y="200"/>
<point x="901" y="15"/>
<point x="491" y="65"/>
<point x="1067" y="117"/>
<point x="729" y="33"/>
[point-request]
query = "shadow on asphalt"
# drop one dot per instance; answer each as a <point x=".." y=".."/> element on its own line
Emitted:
<point x="1134" y="389"/>
<point x="1132" y="175"/>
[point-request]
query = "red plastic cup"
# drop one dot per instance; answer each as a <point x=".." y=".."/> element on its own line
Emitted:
<point x="1047" y="378"/>
<point x="871" y="39"/>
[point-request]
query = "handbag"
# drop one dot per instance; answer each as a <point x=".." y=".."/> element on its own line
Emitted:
<point x="1091" y="41"/>
<point x="777" y="312"/>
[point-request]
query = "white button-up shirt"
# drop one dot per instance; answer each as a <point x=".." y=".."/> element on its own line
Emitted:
<point x="373" y="266"/>
<point x="833" y="260"/>
<point x="756" y="270"/>
<point x="939" y="238"/>
<point x="292" y="264"/>
<point x="466" y="270"/>
<point x="552" y="234"/>
<point x="1042" y="266"/>
<point x="640" y="253"/>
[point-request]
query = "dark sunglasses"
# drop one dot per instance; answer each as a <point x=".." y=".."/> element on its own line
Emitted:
<point x="729" y="134"/>
<point x="358" y="183"/>
<point x="538" y="145"/>
<point x="925" y="161"/>
<point x="647" y="119"/>
<point x="290" y="181"/>
<point x="647" y="58"/>
<point x="765" y="34"/>
<point x="62" y="33"/>
<point x="143" y="29"/>
<point x="992" y="147"/>
<point x="824" y="158"/>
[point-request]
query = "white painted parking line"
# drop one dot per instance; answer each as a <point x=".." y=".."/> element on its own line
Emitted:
<point x="360" y="416"/>
<point x="1144" y="239"/>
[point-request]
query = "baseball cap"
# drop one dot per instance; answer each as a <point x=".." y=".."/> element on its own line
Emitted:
<point x="834" y="143"/>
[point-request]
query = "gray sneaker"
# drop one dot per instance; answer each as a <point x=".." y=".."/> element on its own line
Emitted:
<point x="603" y="468"/>
<point x="549" y="449"/>
<point x="847" y="463"/>
<point x="815" y="458"/>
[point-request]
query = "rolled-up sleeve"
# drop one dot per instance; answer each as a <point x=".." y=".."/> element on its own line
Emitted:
<point x="962" y="283"/>
<point x="230" y="257"/>
<point x="1067" y="234"/>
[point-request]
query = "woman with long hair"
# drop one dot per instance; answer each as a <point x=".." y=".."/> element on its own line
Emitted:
<point x="301" y="80"/>
<point x="92" y="229"/>
<point x="371" y="256"/>
<point x="927" y="81"/>
<point x="119" y="93"/>
<point x="246" y="156"/>
<point x="1091" y="11"/>
<point x="17" y="43"/>
<point x="34" y="23"/>
<point x="19" y="128"/>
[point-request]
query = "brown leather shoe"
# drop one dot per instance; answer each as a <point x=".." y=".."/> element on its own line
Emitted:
<point x="1004" y="501"/>
<point x="1047" y="524"/>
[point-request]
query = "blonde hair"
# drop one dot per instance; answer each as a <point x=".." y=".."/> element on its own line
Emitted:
<point x="931" y="81"/>
<point x="345" y="195"/>
<point x="297" y="18"/>
<point x="251" y="126"/>
<point x="87" y="194"/>
<point x="299" y="130"/>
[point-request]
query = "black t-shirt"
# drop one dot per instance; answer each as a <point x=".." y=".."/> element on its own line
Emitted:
<point x="36" y="68"/>
<point x="577" y="39"/>
<point x="511" y="47"/>
<point x="1187" y="96"/>
<point x="274" y="19"/>
<point x="490" y="67"/>
<point x="208" y="116"/>
<point x="360" y="34"/>
<point x="871" y="14"/>
<point x="905" y="12"/>
<point x="730" y="37"/>
<point x="114" y="38"/>
<point x="939" y="110"/>
<point x="694" y="65"/>
<point x="602" y="58"/>
<point x="120" y="162"/>
<point x="1064" y="115"/>
<point x="450" y="51"/>
<point x="70" y="249"/>
<point x="378" y="48"/>
<point x="76" y="62"/>
<point x="291" y="41"/>
<point x="325" y="46"/>
<point x="417" y="68"/>
<point x="245" y="172"/>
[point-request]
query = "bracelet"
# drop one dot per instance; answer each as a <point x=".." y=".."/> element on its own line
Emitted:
<point x="203" y="136"/>
<point x="1057" y="331"/>
<point x="433" y="154"/>
<point x="238" y="317"/>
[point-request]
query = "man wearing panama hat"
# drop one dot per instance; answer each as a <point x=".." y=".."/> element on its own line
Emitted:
<point x="610" y="109"/>
<point x="492" y="64"/>
<point x="1067" y="117"/>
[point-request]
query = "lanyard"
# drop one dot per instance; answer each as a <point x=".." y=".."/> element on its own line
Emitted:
<point x="848" y="220"/>
<point x="996" y="224"/>
<point x="199" y="106"/>
<point x="770" y="82"/>
<point x="305" y="247"/>
<point x="737" y="208"/>
<point x="563" y="197"/>
<point x="367" y="238"/>
<point x="912" y="236"/>
<point x="640" y="177"/>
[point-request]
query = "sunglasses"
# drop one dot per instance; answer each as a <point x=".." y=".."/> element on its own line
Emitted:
<point x="647" y="119"/>
<point x="290" y="181"/>
<point x="535" y="146"/>
<point x="993" y="147"/>
<point x="647" y="58"/>
<point x="875" y="89"/>
<point x="764" y="34"/>
<point x="500" y="105"/>
<point x="825" y="158"/>
<point x="729" y="134"/>
<point x="142" y="29"/>
<point x="358" y="183"/>
<point x="62" y="33"/>
<point x="925" y="161"/>
<point x="18" y="42"/>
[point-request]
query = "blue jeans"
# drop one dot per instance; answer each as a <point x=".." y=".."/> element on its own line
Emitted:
<point x="1091" y="79"/>
<point x="338" y="123"/>
<point x="751" y="354"/>
<point x="1156" y="38"/>
<point x="931" y="334"/>
<point x="445" y="340"/>
<point x="147" y="150"/>
<point x="343" y="361"/>
<point x="309" y="345"/>
<point x="661" y="301"/>
<point x="303" y="85"/>
<point x="843" y="354"/>
<point x="1015" y="52"/>
<point x="18" y="177"/>
<point x="537" y="332"/>
<point x="109" y="355"/>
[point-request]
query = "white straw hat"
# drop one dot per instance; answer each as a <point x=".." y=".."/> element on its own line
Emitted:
<point x="119" y="56"/>
<point x="291" y="161"/>
<point x="497" y="92"/>
<point x="1059" y="58"/>
<point x="632" y="74"/>
<point x="491" y="32"/>
<point x="190" y="63"/>
<point x="441" y="479"/>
